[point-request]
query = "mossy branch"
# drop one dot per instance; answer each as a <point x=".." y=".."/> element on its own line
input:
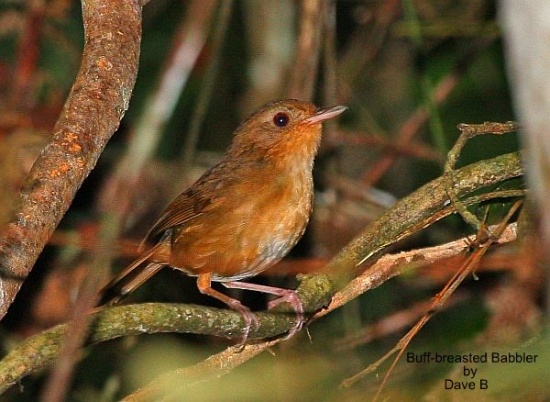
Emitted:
<point x="40" y="350"/>
<point x="420" y="209"/>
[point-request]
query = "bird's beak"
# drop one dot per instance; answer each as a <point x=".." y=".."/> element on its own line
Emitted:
<point x="325" y="114"/>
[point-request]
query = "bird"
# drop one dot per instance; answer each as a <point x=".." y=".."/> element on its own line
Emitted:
<point x="243" y="215"/>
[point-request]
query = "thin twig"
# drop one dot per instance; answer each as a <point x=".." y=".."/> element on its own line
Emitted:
<point x="468" y="268"/>
<point x="197" y="119"/>
<point x="469" y="131"/>
<point x="78" y="327"/>
<point x="392" y="323"/>
<point x="304" y="72"/>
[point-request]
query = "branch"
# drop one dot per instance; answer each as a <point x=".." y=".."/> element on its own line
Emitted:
<point x="97" y="102"/>
<point x="39" y="351"/>
<point x="391" y="265"/>
<point x="420" y="209"/>
<point x="172" y="385"/>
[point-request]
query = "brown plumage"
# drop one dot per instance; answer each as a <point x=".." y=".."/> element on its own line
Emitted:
<point x="244" y="214"/>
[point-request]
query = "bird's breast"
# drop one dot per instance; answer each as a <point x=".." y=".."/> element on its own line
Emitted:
<point x="247" y="228"/>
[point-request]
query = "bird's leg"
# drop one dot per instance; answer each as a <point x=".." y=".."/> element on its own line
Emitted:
<point x="285" y="295"/>
<point x="204" y="284"/>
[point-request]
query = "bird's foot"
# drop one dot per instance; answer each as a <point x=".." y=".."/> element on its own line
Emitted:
<point x="291" y="297"/>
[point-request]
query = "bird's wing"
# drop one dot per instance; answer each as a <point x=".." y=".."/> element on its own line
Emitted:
<point x="190" y="204"/>
<point x="186" y="207"/>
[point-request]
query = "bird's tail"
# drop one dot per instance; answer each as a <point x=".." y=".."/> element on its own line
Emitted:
<point x="132" y="277"/>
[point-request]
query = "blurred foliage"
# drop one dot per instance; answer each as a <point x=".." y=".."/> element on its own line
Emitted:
<point x="386" y="59"/>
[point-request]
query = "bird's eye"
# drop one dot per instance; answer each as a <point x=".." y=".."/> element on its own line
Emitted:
<point x="281" y="119"/>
